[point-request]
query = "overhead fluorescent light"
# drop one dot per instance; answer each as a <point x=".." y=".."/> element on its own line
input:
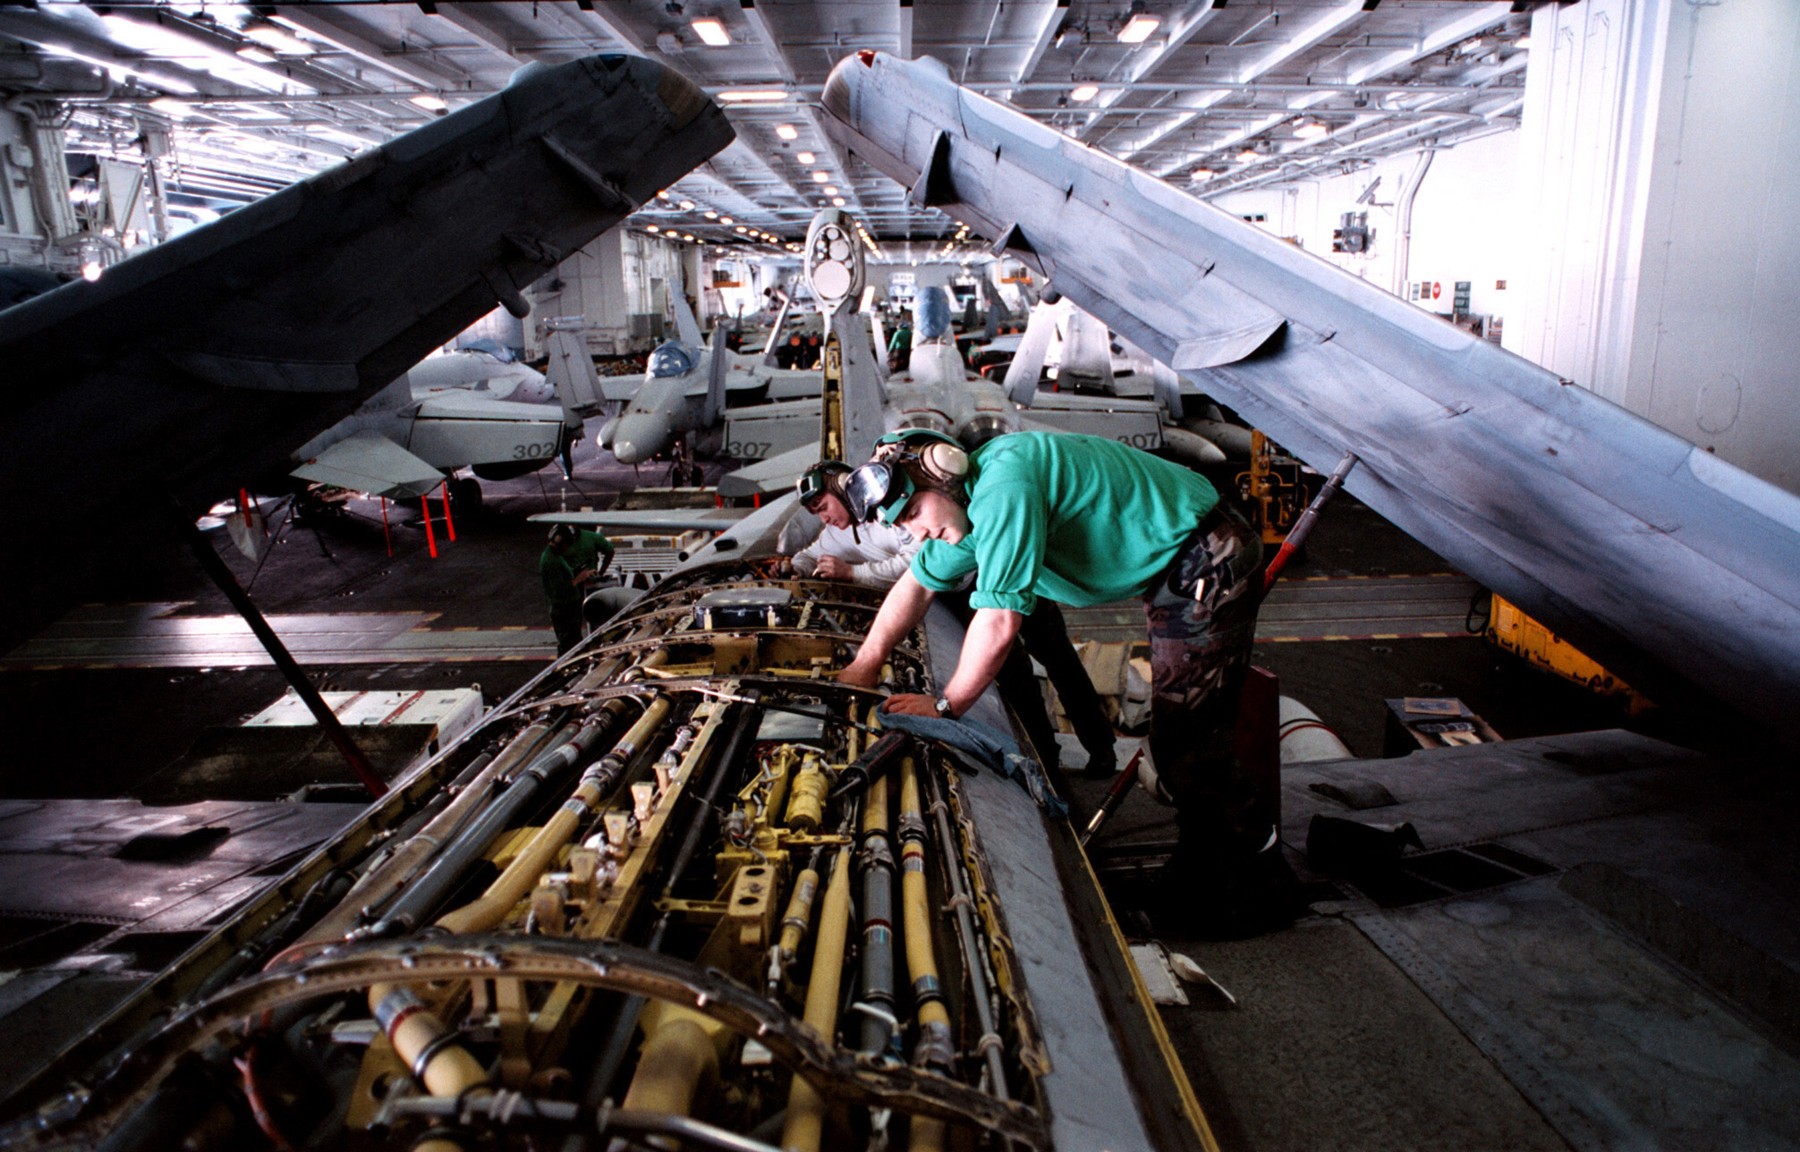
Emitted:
<point x="728" y="220"/>
<point x="169" y="106"/>
<point x="711" y="32"/>
<point x="1084" y="93"/>
<point x="710" y="214"/>
<point x="275" y="38"/>
<point x="1138" y="28"/>
<point x="1310" y="130"/>
<point x="787" y="131"/>
<point x="805" y="157"/>
<point x="1248" y="155"/>
<point x="821" y="176"/>
<point x="256" y="55"/>
<point x="752" y="95"/>
<point x="651" y="228"/>
<point x="829" y="190"/>
<point x="837" y="201"/>
<point x="428" y="102"/>
<point x="189" y="51"/>
<point x="1202" y="173"/>
<point x="686" y="205"/>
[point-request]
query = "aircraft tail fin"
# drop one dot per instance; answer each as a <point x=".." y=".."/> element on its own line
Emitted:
<point x="1028" y="362"/>
<point x="1087" y="350"/>
<point x="571" y="370"/>
<point x="863" y="395"/>
<point x="718" y="369"/>
<point x="768" y="352"/>
<point x="881" y="341"/>
<point x="687" y="329"/>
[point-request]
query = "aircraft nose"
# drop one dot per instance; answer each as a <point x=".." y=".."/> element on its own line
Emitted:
<point x="637" y="438"/>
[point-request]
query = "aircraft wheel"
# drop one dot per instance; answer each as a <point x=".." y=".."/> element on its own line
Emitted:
<point x="465" y="495"/>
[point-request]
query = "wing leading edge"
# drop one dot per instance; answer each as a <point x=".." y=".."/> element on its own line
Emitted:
<point x="1657" y="557"/>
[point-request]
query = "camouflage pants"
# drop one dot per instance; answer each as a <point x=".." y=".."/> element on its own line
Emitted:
<point x="1202" y="622"/>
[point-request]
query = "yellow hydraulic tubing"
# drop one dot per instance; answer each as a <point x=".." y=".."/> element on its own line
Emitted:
<point x="934" y="1048"/>
<point x="419" y="1037"/>
<point x="806" y="796"/>
<point x="806" y="1108"/>
<point x="522" y="874"/>
<point x="678" y="1058"/>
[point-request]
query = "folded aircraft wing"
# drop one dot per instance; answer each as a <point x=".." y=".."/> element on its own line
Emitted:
<point x="1633" y="543"/>
<point x="201" y="364"/>
<point x="770" y="477"/>
<point x="630" y="520"/>
<point x="374" y="464"/>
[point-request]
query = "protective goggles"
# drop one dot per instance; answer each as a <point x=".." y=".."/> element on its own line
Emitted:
<point x="877" y="489"/>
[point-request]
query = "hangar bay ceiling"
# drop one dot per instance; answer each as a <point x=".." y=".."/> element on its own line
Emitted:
<point x="232" y="101"/>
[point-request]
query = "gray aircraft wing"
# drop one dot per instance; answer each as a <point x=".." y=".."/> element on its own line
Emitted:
<point x="367" y="462"/>
<point x="1655" y="556"/>
<point x="772" y="476"/>
<point x="630" y="520"/>
<point x="200" y="365"/>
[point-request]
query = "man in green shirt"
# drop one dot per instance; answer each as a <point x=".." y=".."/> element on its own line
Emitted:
<point x="1083" y="520"/>
<point x="571" y="562"/>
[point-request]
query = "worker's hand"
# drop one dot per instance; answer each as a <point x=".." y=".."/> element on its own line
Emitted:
<point x="911" y="704"/>
<point x="859" y="674"/>
<point x="832" y="568"/>
<point x="583" y="576"/>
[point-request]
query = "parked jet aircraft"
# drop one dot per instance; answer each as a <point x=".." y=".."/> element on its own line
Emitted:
<point x="684" y="392"/>
<point x="205" y="362"/>
<point x="446" y="413"/>
<point x="1653" y="555"/>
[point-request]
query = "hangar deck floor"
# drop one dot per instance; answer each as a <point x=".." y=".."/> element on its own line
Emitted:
<point x="1599" y="948"/>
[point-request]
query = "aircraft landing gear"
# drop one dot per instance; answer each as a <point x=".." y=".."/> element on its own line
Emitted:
<point x="465" y="496"/>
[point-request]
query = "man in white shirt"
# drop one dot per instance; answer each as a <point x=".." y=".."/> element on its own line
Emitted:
<point x="873" y="555"/>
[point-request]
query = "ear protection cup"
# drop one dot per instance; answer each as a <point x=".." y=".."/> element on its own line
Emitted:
<point x="940" y="459"/>
<point x="943" y="463"/>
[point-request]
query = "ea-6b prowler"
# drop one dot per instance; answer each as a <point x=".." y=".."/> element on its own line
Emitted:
<point x="674" y="892"/>
<point x="1661" y="560"/>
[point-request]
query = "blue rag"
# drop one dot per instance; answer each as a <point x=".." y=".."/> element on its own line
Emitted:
<point x="989" y="748"/>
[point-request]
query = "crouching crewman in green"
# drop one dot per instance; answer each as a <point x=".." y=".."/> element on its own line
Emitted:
<point x="1083" y="520"/>
<point x="570" y="565"/>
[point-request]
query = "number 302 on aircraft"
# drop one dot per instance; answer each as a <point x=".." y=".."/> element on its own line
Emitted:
<point x="537" y="451"/>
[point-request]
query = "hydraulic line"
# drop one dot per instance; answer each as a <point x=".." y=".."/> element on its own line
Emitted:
<point x="422" y="896"/>
<point x="806" y="1108"/>
<point x="420" y="1039"/>
<point x="936" y="1046"/>
<point x="879" y="1027"/>
<point x="624" y="1020"/>
<point x="596" y="783"/>
<point x="795" y="921"/>
<point x="990" y="1042"/>
<point x="377" y="886"/>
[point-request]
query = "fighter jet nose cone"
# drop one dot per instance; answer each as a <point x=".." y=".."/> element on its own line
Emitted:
<point x="638" y="438"/>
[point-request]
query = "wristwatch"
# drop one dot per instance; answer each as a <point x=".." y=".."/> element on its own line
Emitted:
<point x="942" y="704"/>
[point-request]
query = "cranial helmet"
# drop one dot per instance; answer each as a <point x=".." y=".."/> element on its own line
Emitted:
<point x="825" y="476"/>
<point x="904" y="462"/>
